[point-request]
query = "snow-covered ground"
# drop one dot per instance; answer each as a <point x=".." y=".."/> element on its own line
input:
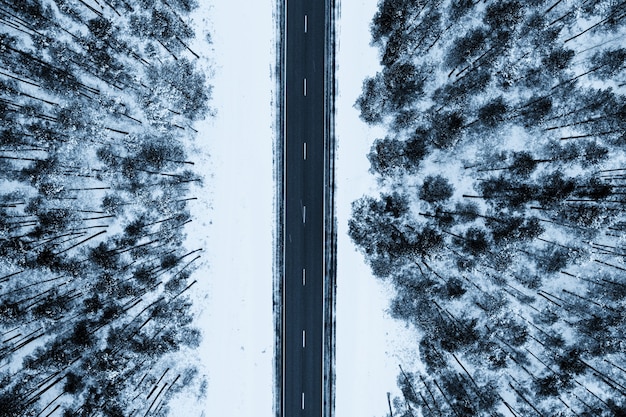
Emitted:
<point x="370" y="345"/>
<point x="234" y="214"/>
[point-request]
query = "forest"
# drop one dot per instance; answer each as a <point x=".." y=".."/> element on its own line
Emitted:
<point x="97" y="100"/>
<point x="499" y="217"/>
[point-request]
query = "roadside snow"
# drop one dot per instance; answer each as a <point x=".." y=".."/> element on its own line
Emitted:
<point x="233" y="216"/>
<point x="370" y="345"/>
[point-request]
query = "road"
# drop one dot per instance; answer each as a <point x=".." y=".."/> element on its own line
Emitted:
<point x="304" y="179"/>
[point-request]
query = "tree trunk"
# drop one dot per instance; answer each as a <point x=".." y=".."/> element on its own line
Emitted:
<point x="592" y="134"/>
<point x="431" y="395"/>
<point x="446" y="398"/>
<point x="521" y="395"/>
<point x="389" y="403"/>
<point x="615" y="12"/>
<point x="81" y="242"/>
<point x="552" y="7"/>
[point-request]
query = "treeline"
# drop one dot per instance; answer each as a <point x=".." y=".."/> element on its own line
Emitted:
<point x="97" y="102"/>
<point x="500" y="219"/>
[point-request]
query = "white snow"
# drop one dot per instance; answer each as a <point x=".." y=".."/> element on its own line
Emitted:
<point x="233" y="218"/>
<point x="370" y="345"/>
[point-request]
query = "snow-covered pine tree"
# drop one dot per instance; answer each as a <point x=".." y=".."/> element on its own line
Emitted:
<point x="501" y="218"/>
<point x="97" y="99"/>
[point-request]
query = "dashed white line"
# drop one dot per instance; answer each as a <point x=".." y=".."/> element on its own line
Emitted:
<point x="303" y="214"/>
<point x="304" y="150"/>
<point x="303" y="277"/>
<point x="303" y="400"/>
<point x="305" y="87"/>
<point x="306" y="23"/>
<point x="303" y="338"/>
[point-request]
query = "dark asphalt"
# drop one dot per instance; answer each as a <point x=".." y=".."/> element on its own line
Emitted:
<point x="303" y="286"/>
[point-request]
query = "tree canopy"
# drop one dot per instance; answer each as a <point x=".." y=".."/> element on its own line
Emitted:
<point x="500" y="215"/>
<point x="97" y="100"/>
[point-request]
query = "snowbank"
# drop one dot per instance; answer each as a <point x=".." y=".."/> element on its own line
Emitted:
<point x="233" y="213"/>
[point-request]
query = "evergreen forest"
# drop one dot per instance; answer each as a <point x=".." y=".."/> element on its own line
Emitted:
<point x="97" y="104"/>
<point x="500" y="216"/>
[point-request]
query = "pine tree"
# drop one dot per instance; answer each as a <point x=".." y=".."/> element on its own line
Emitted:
<point x="95" y="278"/>
<point x="500" y="220"/>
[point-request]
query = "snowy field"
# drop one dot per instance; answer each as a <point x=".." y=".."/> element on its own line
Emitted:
<point x="370" y="345"/>
<point x="235" y="150"/>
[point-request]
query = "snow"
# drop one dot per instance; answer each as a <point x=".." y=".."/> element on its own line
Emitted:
<point x="233" y="216"/>
<point x="370" y="345"/>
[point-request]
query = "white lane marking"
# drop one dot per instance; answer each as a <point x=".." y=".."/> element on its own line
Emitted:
<point x="306" y="23"/>
<point x="304" y="150"/>
<point x="303" y="214"/>
<point x="303" y="400"/>
<point x="303" y="338"/>
<point x="305" y="87"/>
<point x="303" y="277"/>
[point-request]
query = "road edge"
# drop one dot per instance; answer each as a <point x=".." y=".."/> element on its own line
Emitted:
<point x="330" y="220"/>
<point x="279" y="201"/>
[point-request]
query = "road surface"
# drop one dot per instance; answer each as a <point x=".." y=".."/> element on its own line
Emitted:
<point x="304" y="237"/>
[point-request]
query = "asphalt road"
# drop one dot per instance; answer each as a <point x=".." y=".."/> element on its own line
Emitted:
<point x="303" y="286"/>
